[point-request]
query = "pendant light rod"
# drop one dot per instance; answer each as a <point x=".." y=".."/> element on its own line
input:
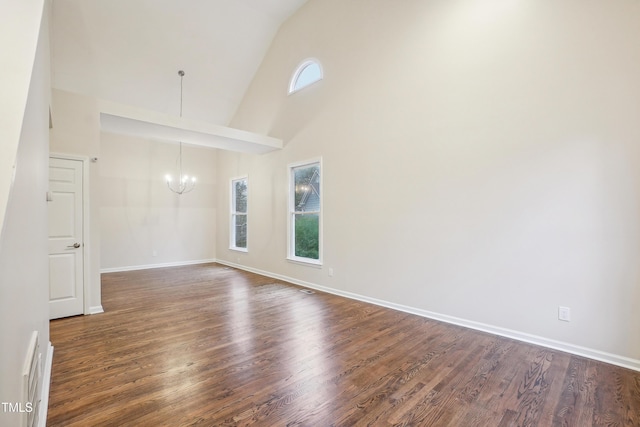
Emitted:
<point x="181" y="74"/>
<point x="185" y="183"/>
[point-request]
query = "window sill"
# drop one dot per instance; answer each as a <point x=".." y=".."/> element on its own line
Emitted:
<point x="306" y="262"/>
<point x="245" y="250"/>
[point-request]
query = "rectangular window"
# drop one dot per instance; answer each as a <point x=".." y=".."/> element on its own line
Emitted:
<point x="305" y="208"/>
<point x="238" y="234"/>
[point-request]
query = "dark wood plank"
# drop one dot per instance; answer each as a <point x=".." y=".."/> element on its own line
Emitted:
<point x="209" y="345"/>
<point x="574" y="397"/>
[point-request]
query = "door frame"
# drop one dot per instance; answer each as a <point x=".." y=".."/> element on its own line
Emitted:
<point x="86" y="241"/>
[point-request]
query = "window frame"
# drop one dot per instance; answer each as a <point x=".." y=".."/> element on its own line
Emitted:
<point x="298" y="72"/>
<point x="234" y="214"/>
<point x="291" y="235"/>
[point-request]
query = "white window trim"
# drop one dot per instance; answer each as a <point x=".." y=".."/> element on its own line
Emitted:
<point x="291" y="212"/>
<point x="299" y="69"/>
<point x="232" y="229"/>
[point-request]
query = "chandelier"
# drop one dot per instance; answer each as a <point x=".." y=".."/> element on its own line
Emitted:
<point x="184" y="183"/>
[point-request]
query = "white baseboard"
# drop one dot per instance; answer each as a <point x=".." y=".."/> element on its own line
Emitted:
<point x="601" y="356"/>
<point x="46" y="384"/>
<point x="150" y="266"/>
<point x="96" y="309"/>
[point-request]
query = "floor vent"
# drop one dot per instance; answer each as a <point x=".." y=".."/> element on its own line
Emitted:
<point x="31" y="375"/>
<point x="307" y="291"/>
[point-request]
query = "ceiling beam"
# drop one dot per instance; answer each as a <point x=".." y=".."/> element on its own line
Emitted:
<point x="133" y="121"/>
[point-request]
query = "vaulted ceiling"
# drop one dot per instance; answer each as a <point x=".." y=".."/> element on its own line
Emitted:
<point x="130" y="51"/>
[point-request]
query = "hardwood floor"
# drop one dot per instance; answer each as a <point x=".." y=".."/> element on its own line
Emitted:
<point x="207" y="345"/>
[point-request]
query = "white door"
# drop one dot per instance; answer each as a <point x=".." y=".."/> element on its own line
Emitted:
<point x="66" y="260"/>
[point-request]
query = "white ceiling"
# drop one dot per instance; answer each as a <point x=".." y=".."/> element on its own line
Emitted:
<point x="130" y="51"/>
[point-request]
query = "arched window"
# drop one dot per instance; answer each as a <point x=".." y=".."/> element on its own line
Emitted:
<point x="307" y="73"/>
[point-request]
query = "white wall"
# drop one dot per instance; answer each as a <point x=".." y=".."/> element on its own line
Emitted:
<point x="481" y="161"/>
<point x="19" y="24"/>
<point x="24" y="277"/>
<point x="132" y="213"/>
<point x="145" y="224"/>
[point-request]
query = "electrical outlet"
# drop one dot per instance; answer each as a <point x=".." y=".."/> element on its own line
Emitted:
<point x="564" y="313"/>
<point x="330" y="272"/>
<point x="154" y="253"/>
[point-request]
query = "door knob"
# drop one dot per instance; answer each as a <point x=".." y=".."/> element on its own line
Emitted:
<point x="75" y="246"/>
